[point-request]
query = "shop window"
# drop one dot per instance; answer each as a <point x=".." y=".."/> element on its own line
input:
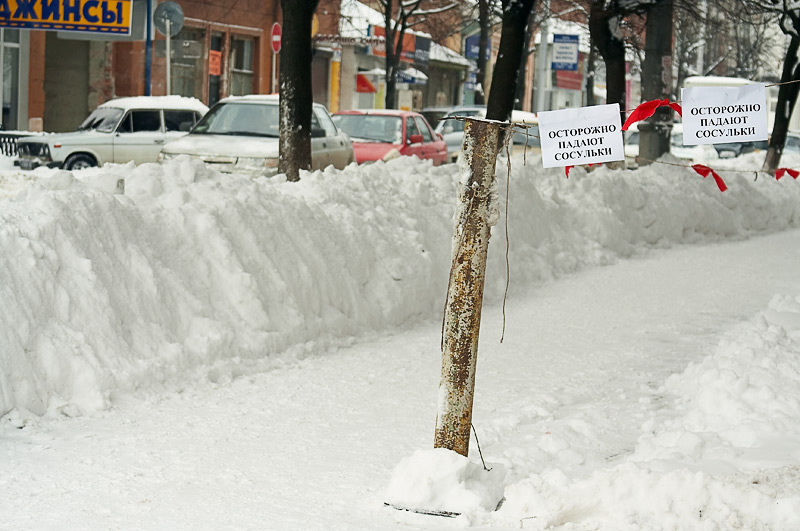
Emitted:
<point x="242" y="66"/>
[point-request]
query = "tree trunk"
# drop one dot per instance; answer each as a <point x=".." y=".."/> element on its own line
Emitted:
<point x="523" y="62"/>
<point x="512" y="41"/>
<point x="392" y="58"/>
<point x="612" y="50"/>
<point x="295" y="88"/>
<point x="655" y="132"/>
<point x="590" y="76"/>
<point x="787" y="97"/>
<point x="483" y="40"/>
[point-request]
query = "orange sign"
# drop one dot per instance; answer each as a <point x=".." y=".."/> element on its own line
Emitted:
<point x="409" y="45"/>
<point x="214" y="63"/>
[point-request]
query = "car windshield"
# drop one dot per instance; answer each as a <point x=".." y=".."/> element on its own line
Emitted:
<point x="371" y="127"/>
<point x="103" y="119"/>
<point x="239" y="118"/>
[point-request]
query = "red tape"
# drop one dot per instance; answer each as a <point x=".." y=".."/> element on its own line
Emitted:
<point x="781" y="171"/>
<point x="648" y="109"/>
<point x="566" y="170"/>
<point x="705" y="171"/>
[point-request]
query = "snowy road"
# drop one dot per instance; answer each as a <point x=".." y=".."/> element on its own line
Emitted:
<point x="311" y="444"/>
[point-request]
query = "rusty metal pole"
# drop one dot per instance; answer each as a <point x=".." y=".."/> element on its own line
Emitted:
<point x="465" y="291"/>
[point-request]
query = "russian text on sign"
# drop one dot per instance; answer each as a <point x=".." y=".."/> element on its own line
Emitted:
<point x="584" y="135"/>
<point x="720" y="115"/>
<point x="109" y="16"/>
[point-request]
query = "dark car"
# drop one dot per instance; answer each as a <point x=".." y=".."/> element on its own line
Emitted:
<point x="792" y="144"/>
<point x="734" y="149"/>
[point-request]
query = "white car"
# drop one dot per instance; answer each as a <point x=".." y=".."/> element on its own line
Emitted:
<point x="526" y="136"/>
<point x="696" y="153"/>
<point x="240" y="134"/>
<point x="121" y="130"/>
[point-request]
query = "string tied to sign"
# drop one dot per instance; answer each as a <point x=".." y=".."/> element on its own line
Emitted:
<point x="648" y="109"/>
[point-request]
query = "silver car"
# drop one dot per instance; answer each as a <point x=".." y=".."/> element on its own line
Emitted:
<point x="240" y="135"/>
<point x="121" y="130"/>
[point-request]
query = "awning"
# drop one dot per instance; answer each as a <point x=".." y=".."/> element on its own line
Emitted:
<point x="412" y="75"/>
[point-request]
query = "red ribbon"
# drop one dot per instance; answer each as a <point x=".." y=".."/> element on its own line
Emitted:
<point x="648" y="109"/>
<point x="705" y="171"/>
<point x="567" y="168"/>
<point x="780" y="171"/>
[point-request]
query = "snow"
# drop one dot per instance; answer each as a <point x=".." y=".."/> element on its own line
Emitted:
<point x="160" y="102"/>
<point x="438" y="479"/>
<point x="182" y="349"/>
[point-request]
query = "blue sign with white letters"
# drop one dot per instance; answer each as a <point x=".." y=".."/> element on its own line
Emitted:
<point x="565" y="52"/>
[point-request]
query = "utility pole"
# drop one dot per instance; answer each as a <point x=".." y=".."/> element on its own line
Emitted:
<point x="654" y="133"/>
<point x="462" y="318"/>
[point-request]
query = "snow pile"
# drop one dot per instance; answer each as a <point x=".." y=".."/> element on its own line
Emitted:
<point x="192" y="274"/>
<point x="717" y="461"/>
<point x="632" y="498"/>
<point x="740" y="407"/>
<point x="442" y="480"/>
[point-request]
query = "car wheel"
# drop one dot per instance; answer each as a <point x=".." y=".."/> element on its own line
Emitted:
<point x="79" y="162"/>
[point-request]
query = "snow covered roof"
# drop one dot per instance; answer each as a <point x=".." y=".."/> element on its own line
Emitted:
<point x="157" y="102"/>
<point x="443" y="54"/>
<point x="268" y="98"/>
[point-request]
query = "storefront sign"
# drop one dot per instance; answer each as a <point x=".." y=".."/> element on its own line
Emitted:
<point x="584" y="135"/>
<point x="719" y="115"/>
<point x="88" y="16"/>
<point x="325" y="38"/>
<point x="416" y="48"/>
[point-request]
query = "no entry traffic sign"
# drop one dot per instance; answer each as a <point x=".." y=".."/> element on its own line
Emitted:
<point x="276" y="37"/>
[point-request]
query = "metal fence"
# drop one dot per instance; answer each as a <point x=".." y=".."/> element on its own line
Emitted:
<point x="8" y="142"/>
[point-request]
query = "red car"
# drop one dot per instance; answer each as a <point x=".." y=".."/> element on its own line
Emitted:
<point x="382" y="134"/>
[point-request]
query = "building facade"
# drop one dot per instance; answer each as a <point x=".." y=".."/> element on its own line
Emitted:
<point x="51" y="80"/>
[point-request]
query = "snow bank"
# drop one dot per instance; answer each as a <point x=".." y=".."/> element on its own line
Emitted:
<point x="719" y="461"/>
<point x="192" y="274"/>
<point x="739" y="405"/>
<point x="633" y="498"/>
